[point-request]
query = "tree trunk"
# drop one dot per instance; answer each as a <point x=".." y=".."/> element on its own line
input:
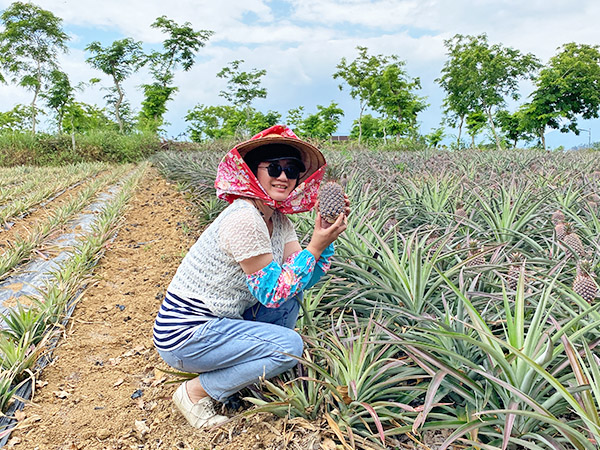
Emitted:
<point x="34" y="110"/>
<point x="118" y="104"/>
<point x="462" y="119"/>
<point x="360" y="114"/>
<point x="491" y="119"/>
<point x="543" y="138"/>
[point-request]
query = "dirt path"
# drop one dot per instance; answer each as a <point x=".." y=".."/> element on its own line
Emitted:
<point x="104" y="388"/>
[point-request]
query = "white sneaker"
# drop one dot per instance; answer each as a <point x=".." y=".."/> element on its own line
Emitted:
<point x="199" y="415"/>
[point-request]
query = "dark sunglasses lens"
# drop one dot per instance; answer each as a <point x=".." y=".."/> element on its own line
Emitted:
<point x="274" y="170"/>
<point x="291" y="172"/>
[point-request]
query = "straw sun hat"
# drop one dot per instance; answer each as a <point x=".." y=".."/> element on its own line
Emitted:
<point x="312" y="158"/>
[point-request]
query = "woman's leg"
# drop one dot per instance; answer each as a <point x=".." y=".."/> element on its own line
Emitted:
<point x="230" y="354"/>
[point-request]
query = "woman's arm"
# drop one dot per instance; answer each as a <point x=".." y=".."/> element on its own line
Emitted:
<point x="272" y="284"/>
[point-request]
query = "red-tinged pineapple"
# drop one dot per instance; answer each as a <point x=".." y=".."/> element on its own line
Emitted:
<point x="331" y="201"/>
<point x="460" y="214"/>
<point x="573" y="241"/>
<point x="557" y="217"/>
<point x="560" y="231"/>
<point x="514" y="271"/>
<point x="476" y="257"/>
<point x="584" y="284"/>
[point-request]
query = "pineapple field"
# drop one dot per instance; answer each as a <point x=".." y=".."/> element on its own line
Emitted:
<point x="460" y="311"/>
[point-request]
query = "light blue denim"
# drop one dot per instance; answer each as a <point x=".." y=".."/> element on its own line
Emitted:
<point x="230" y="354"/>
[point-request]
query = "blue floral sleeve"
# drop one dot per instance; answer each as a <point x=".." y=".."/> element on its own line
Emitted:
<point x="274" y="284"/>
<point x="322" y="266"/>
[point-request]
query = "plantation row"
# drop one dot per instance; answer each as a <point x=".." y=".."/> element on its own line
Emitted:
<point x="29" y="328"/>
<point x="462" y="299"/>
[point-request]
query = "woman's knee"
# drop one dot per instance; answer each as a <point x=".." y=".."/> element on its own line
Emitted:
<point x="294" y="345"/>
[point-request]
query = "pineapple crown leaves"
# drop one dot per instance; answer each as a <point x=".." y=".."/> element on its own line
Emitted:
<point x="516" y="257"/>
<point x="586" y="266"/>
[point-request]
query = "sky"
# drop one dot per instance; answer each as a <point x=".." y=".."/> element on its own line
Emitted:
<point x="300" y="42"/>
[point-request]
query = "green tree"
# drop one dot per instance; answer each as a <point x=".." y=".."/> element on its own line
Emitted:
<point x="323" y="123"/>
<point x="395" y="98"/>
<point x="82" y="118"/>
<point x="513" y="127"/>
<point x="18" y="118"/>
<point x="260" y="121"/>
<point x="435" y="137"/>
<point x="242" y="87"/>
<point x="371" y="128"/>
<point x="179" y="50"/>
<point x="59" y="96"/>
<point x="567" y="88"/>
<point x="360" y="75"/>
<point x="29" y="45"/>
<point x="483" y="75"/>
<point x="213" y="122"/>
<point x="475" y="122"/>
<point x="119" y="60"/>
<point x="294" y="119"/>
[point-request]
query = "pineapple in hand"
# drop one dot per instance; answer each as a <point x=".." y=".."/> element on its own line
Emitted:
<point x="332" y="203"/>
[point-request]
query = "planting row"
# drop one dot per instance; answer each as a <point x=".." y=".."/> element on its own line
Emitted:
<point x="30" y="322"/>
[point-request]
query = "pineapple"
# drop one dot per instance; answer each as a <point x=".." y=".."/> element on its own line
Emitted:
<point x="475" y="254"/>
<point x="557" y="217"/>
<point x="573" y="241"/>
<point x="331" y="201"/>
<point x="460" y="214"/>
<point x="560" y="232"/>
<point x="514" y="272"/>
<point x="584" y="284"/>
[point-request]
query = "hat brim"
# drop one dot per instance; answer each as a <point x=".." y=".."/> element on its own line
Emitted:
<point x="312" y="158"/>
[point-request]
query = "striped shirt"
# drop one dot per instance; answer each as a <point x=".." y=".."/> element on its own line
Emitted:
<point x="177" y="320"/>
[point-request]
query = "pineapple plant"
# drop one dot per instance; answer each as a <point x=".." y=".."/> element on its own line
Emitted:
<point x="573" y="241"/>
<point x="331" y="201"/>
<point x="514" y="271"/>
<point x="584" y="284"/>
<point x="476" y="257"/>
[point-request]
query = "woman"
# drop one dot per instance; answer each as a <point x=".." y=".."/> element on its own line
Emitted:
<point x="230" y="309"/>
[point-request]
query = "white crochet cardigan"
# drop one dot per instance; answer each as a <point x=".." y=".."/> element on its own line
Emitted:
<point x="211" y="271"/>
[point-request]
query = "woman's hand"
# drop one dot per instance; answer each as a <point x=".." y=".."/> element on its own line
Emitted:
<point x="324" y="223"/>
<point x="325" y="233"/>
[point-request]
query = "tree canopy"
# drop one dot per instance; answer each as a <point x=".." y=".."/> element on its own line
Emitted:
<point x="480" y="76"/>
<point x="29" y="45"/>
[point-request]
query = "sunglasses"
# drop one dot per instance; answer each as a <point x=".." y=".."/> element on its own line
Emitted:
<point x="292" y="172"/>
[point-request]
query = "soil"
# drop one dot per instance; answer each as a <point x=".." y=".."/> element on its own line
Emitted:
<point x="106" y="387"/>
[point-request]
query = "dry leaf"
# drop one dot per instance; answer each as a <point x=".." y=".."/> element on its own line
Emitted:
<point x="141" y="427"/>
<point x="343" y="391"/>
<point x="328" y="444"/>
<point x="14" y="441"/>
<point x="61" y="394"/>
<point x="119" y="382"/>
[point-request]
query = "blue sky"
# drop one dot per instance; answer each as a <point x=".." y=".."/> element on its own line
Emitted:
<point x="299" y="43"/>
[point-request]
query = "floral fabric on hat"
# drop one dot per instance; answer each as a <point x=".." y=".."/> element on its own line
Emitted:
<point x="235" y="179"/>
